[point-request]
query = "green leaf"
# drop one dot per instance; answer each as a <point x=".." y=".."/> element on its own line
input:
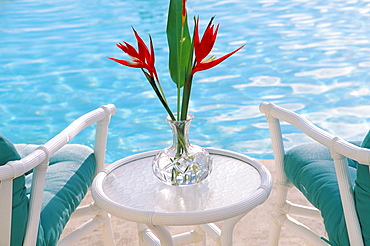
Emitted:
<point x="179" y="43"/>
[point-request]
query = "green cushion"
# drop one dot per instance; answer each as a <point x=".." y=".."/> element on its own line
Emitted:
<point x="20" y="200"/>
<point x="68" y="178"/>
<point x="362" y="195"/>
<point x="311" y="169"/>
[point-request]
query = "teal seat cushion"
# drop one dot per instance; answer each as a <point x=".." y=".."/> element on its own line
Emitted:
<point x="311" y="169"/>
<point x="69" y="175"/>
<point x="362" y="195"/>
<point x="20" y="200"/>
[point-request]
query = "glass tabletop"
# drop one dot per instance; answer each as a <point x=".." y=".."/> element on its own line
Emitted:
<point x="132" y="184"/>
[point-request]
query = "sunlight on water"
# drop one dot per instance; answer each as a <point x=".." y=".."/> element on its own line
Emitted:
<point x="312" y="57"/>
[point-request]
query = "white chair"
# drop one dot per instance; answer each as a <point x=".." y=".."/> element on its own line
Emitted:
<point x="31" y="187"/>
<point x="318" y="178"/>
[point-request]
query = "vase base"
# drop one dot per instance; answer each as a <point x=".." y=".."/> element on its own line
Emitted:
<point x="184" y="170"/>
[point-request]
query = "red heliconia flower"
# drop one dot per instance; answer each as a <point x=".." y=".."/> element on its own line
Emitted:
<point x="141" y="57"/>
<point x="203" y="47"/>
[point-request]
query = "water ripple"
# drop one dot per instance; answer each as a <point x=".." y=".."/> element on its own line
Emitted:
<point x="324" y="73"/>
<point x="309" y="56"/>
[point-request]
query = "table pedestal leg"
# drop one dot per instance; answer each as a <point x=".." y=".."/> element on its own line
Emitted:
<point x="163" y="234"/>
<point x="155" y="235"/>
<point x="146" y="236"/>
<point x="199" y="230"/>
<point x="149" y="235"/>
<point x="228" y="225"/>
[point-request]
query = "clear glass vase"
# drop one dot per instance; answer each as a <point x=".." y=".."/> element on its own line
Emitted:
<point x="182" y="163"/>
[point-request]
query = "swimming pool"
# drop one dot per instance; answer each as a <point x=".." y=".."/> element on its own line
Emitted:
<point x="309" y="56"/>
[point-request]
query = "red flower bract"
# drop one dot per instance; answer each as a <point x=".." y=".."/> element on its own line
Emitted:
<point x="183" y="12"/>
<point x="204" y="46"/>
<point x="141" y="57"/>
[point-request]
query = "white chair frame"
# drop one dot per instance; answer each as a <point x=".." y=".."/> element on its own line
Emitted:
<point x="39" y="160"/>
<point x="339" y="150"/>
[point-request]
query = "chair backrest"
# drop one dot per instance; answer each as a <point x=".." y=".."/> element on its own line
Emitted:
<point x="339" y="149"/>
<point x="38" y="161"/>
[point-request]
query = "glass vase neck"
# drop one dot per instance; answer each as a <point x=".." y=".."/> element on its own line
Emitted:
<point x="180" y="130"/>
<point x="189" y="118"/>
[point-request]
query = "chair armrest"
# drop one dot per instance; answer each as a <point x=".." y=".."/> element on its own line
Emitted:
<point x="101" y="116"/>
<point x="340" y="146"/>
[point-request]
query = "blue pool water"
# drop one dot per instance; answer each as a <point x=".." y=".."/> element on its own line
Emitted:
<point x="309" y="56"/>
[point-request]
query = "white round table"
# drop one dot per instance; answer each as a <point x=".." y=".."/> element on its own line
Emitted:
<point x="129" y="190"/>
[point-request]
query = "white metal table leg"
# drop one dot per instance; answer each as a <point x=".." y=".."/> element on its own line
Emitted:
<point x="146" y="236"/>
<point x="107" y="231"/>
<point x="226" y="237"/>
<point x="162" y="233"/>
<point x="199" y="230"/>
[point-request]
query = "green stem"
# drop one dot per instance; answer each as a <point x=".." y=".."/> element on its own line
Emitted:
<point x="161" y="90"/>
<point x="181" y="142"/>
<point x="181" y="146"/>
<point x="178" y="101"/>
<point x="186" y="97"/>
<point x="159" y="95"/>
